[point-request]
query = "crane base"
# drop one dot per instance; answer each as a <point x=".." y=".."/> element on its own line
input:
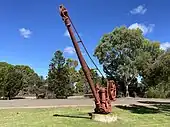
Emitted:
<point x="106" y="118"/>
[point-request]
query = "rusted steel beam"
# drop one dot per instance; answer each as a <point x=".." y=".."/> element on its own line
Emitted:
<point x="102" y="95"/>
<point x="66" y="19"/>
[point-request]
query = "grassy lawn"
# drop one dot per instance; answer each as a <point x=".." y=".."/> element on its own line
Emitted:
<point x="78" y="117"/>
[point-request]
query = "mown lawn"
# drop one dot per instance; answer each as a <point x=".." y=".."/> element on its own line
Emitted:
<point x="78" y="117"/>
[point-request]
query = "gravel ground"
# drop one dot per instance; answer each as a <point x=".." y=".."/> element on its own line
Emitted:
<point x="42" y="103"/>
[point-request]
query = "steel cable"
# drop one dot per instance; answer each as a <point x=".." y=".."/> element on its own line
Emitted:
<point x="85" y="48"/>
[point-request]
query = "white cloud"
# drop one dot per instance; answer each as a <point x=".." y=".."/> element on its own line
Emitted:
<point x="145" y="28"/>
<point x="165" y="45"/>
<point x="69" y="50"/>
<point x="139" y="10"/>
<point x="66" y="33"/>
<point x="26" y="33"/>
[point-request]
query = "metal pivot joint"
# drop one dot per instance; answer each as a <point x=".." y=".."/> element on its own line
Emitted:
<point x="101" y="95"/>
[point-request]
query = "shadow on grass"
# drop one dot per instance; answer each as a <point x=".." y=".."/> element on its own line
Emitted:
<point x="163" y="106"/>
<point x="72" y="116"/>
<point x="154" y="102"/>
<point x="139" y="109"/>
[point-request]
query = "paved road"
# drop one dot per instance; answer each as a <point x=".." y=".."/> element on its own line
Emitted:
<point x="41" y="103"/>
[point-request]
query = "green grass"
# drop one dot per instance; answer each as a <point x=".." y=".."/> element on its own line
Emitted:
<point x="78" y="117"/>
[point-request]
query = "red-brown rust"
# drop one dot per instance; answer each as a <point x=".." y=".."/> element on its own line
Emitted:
<point x="66" y="19"/>
<point x="112" y="90"/>
<point x="104" y="102"/>
<point x="100" y="94"/>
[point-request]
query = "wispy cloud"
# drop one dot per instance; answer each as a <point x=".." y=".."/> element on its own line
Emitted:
<point x="145" y="28"/>
<point x="69" y="50"/>
<point x="139" y="10"/>
<point x="26" y="33"/>
<point x="165" y="45"/>
<point x="66" y="34"/>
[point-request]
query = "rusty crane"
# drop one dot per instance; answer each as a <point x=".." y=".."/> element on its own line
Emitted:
<point x="103" y="96"/>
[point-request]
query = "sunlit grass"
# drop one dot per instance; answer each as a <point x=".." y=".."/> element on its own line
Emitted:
<point x="78" y="117"/>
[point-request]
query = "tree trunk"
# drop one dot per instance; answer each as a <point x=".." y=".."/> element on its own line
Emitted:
<point x="127" y="90"/>
<point x="9" y="96"/>
<point x="126" y="87"/>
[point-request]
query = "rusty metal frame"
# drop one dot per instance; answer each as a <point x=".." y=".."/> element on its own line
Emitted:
<point x="101" y="95"/>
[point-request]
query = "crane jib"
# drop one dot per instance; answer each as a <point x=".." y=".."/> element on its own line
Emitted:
<point x="103" y="96"/>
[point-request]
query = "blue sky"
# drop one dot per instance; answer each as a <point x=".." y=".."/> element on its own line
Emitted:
<point x="32" y="30"/>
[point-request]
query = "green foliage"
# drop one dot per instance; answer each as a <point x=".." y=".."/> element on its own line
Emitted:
<point x="79" y="88"/>
<point x="162" y="90"/>
<point x="149" y="53"/>
<point x="4" y="64"/>
<point x="125" y="54"/>
<point x="82" y="84"/>
<point x="159" y="71"/>
<point x="73" y="74"/>
<point x="10" y="82"/>
<point x="158" y="77"/>
<point x="15" y="79"/>
<point x="59" y="75"/>
<point x="30" y="78"/>
<point x="39" y="86"/>
<point x="117" y="52"/>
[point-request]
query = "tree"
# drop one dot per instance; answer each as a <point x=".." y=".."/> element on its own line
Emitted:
<point x="168" y="49"/>
<point x="3" y="66"/>
<point x="72" y="63"/>
<point x="40" y="88"/>
<point x="73" y="74"/>
<point x="125" y="55"/>
<point x="30" y="79"/>
<point x="10" y="81"/>
<point x="58" y="76"/>
<point x="82" y="84"/>
<point x="149" y="53"/>
<point x="25" y="80"/>
<point x="159" y="71"/>
<point x="158" y="77"/>
<point x="117" y="52"/>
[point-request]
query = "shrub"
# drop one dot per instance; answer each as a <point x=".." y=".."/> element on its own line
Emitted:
<point x="162" y="90"/>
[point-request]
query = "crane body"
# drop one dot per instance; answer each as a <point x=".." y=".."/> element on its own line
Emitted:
<point x="103" y="96"/>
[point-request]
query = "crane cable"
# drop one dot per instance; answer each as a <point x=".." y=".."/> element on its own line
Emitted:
<point x="80" y="40"/>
